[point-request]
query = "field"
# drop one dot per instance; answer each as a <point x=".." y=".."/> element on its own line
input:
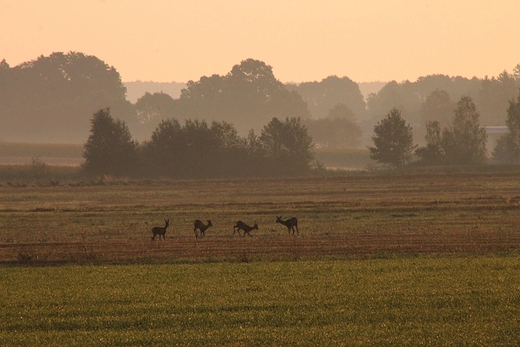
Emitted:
<point x="364" y="216"/>
<point x="379" y="260"/>
<point x="379" y="302"/>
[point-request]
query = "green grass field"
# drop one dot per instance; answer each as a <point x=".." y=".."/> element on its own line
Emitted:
<point x="448" y="301"/>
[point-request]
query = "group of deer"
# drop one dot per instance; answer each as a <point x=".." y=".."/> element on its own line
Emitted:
<point x="199" y="226"/>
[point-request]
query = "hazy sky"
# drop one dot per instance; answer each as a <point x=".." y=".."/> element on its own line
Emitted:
<point x="366" y="40"/>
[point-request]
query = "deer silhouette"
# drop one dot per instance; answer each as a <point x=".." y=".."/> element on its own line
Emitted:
<point x="291" y="224"/>
<point x="198" y="224"/>
<point x="160" y="230"/>
<point x="239" y="225"/>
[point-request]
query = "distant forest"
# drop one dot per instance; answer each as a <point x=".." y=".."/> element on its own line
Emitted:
<point x="52" y="99"/>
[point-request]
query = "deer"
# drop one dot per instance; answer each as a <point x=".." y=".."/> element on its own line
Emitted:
<point x="239" y="225"/>
<point x="291" y="224"/>
<point x="198" y="224"/>
<point x="160" y="230"/>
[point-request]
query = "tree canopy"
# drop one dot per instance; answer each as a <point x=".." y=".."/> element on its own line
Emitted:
<point x="338" y="130"/>
<point x="248" y="96"/>
<point x="323" y="96"/>
<point x="53" y="97"/>
<point x="110" y="149"/>
<point x="393" y="140"/>
<point x="465" y="141"/>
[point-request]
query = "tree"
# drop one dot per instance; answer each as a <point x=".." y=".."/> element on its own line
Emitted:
<point x="502" y="154"/>
<point x="432" y="153"/>
<point x="513" y="126"/>
<point x="287" y="147"/>
<point x="51" y="99"/>
<point x="393" y="140"/>
<point x="154" y="106"/>
<point x="248" y="96"/>
<point x="494" y="96"/>
<point x="337" y="130"/>
<point x="465" y="142"/>
<point x="110" y="149"/>
<point x="163" y="153"/>
<point x="323" y="96"/>
<point x="409" y="97"/>
<point x="438" y="107"/>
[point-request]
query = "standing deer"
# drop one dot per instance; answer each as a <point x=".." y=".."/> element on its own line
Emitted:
<point x="160" y="230"/>
<point x="239" y="225"/>
<point x="291" y="224"/>
<point x="198" y="224"/>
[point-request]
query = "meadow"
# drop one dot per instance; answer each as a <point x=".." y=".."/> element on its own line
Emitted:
<point x="390" y="260"/>
<point x="440" y="301"/>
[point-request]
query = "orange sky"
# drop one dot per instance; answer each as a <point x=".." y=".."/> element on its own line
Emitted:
<point x="366" y="40"/>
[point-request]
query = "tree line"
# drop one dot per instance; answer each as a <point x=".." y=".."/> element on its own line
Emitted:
<point x="52" y="98"/>
<point x="197" y="149"/>
<point x="459" y="142"/>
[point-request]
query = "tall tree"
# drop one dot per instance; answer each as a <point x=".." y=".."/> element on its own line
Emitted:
<point x="465" y="142"/>
<point x="110" y="149"/>
<point x="393" y="140"/>
<point x="287" y="147"/>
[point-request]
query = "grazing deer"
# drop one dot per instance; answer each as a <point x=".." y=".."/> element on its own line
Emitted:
<point x="198" y="224"/>
<point x="239" y="225"/>
<point x="160" y="230"/>
<point x="291" y="224"/>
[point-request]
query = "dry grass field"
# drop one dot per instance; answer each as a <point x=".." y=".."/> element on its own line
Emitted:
<point x="360" y="216"/>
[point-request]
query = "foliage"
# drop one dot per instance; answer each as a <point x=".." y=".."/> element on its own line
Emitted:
<point x="494" y="95"/>
<point x="287" y="147"/>
<point x="248" y="97"/>
<point x="59" y="94"/>
<point x="432" y="153"/>
<point x="154" y="106"/>
<point x="465" y="142"/>
<point x="502" y="153"/>
<point x="491" y="96"/>
<point x="197" y="150"/>
<point x="337" y="130"/>
<point x="323" y="96"/>
<point x="438" y="107"/>
<point x="110" y="149"/>
<point x="393" y="140"/>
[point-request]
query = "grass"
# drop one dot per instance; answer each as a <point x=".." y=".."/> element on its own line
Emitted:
<point x="450" y="301"/>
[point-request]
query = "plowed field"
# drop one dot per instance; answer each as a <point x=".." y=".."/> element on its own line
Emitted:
<point x="339" y="218"/>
